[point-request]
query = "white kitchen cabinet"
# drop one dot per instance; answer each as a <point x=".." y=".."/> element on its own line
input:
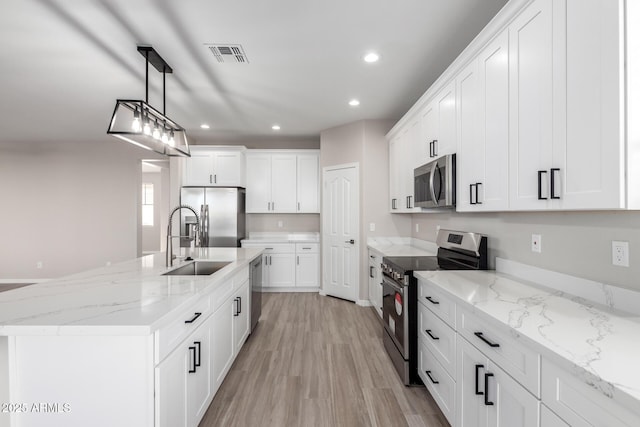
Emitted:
<point x="282" y="182"/>
<point x="439" y="383"/>
<point x="534" y="64"/>
<point x="445" y="142"/>
<point x="241" y="318"/>
<point x="223" y="351"/>
<point x="281" y="270"/>
<point x="403" y="159"/>
<point x="549" y="419"/>
<point x="199" y="380"/>
<point x="214" y="167"/>
<point x="578" y="402"/>
<point x="483" y="130"/>
<point x="308" y="180"/>
<point x="307" y="265"/>
<point x="487" y="396"/>
<point x="375" y="281"/>
<point x="428" y="132"/>
<point x="171" y="389"/>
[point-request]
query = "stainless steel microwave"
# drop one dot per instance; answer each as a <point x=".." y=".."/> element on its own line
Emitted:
<point x="435" y="183"/>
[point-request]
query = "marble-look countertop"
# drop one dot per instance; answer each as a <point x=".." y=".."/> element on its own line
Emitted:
<point x="127" y="298"/>
<point x="594" y="342"/>
<point x="402" y="246"/>
<point x="282" y="237"/>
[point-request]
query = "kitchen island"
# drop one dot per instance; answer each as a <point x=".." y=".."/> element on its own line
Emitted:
<point x="123" y="345"/>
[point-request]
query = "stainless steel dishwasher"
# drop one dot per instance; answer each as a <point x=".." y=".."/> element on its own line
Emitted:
<point x="255" y="277"/>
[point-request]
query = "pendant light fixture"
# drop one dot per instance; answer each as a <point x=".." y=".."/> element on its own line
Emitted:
<point x="140" y="124"/>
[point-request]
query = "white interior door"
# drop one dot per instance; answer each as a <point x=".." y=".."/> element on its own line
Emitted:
<point x="340" y="231"/>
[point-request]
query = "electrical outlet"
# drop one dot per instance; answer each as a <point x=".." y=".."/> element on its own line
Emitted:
<point x="39" y="265"/>
<point x="372" y="226"/>
<point x="536" y="243"/>
<point x="417" y="227"/>
<point x="280" y="224"/>
<point x="620" y="253"/>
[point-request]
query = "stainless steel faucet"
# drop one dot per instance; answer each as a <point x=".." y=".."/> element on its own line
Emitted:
<point x="170" y="238"/>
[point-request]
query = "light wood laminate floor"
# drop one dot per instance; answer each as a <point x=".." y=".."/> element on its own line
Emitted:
<point x="317" y="361"/>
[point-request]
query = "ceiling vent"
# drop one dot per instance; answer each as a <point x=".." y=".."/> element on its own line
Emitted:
<point x="229" y="53"/>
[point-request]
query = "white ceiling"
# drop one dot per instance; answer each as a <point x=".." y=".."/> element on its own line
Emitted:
<point x="65" y="62"/>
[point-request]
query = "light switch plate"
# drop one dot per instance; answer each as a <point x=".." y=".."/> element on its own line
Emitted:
<point x="417" y="227"/>
<point x="620" y="253"/>
<point x="372" y="226"/>
<point x="536" y="243"/>
<point x="280" y="224"/>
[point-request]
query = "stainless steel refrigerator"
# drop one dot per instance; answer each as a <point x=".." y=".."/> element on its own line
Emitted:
<point x="222" y="215"/>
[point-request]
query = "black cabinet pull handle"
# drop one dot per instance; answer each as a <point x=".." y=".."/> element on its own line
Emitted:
<point x="371" y="271"/>
<point x="192" y="350"/>
<point x="428" y="331"/>
<point x="553" y="183"/>
<point x="478" y="367"/>
<point x="478" y="202"/>
<point x="431" y="149"/>
<point x="540" y="185"/>
<point x="193" y="319"/>
<point x="435" y="146"/>
<point x="486" y="389"/>
<point x="239" y="305"/>
<point x="432" y="301"/>
<point x="431" y="378"/>
<point x="198" y="354"/>
<point x="489" y="343"/>
<point x="236" y="313"/>
<point x="407" y="202"/>
<point x="410" y="197"/>
<point x="471" y="202"/>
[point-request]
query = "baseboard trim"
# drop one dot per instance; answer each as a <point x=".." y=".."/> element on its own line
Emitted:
<point x="275" y="290"/>
<point x="364" y="303"/>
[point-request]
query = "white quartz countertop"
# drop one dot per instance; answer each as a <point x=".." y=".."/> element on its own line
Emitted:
<point x="127" y="298"/>
<point x="402" y="246"/>
<point x="282" y="237"/>
<point x="598" y="344"/>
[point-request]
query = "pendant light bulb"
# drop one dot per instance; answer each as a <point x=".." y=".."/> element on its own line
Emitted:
<point x="172" y="141"/>
<point x="135" y="125"/>
<point x="147" y="126"/>
<point x="165" y="137"/>
<point x="156" y="130"/>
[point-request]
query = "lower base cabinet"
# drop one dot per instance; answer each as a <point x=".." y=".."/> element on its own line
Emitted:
<point x="487" y="396"/>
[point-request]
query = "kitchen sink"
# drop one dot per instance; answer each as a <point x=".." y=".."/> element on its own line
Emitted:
<point x="198" y="268"/>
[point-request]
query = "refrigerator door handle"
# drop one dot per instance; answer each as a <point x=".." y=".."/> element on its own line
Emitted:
<point x="201" y="225"/>
<point x="206" y="225"/>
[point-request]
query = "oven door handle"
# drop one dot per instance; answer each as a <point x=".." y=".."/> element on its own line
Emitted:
<point x="393" y="285"/>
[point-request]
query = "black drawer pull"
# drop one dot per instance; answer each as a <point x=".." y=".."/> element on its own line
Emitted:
<point x="486" y="389"/>
<point x="239" y="305"/>
<point x="431" y="378"/>
<point x="428" y="331"/>
<point x="237" y="311"/>
<point x="489" y="343"/>
<point x="432" y="301"/>
<point x="192" y="350"/>
<point x="477" y="202"/>
<point x="478" y="367"/>
<point x="540" y="185"/>
<point x="198" y="354"/>
<point x="193" y="319"/>
<point x="553" y="183"/>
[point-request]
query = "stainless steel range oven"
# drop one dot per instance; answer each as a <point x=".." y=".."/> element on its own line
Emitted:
<point x="456" y="251"/>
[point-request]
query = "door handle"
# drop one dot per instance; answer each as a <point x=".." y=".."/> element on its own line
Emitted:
<point x="198" y="355"/>
<point x="486" y="389"/>
<point x="237" y="308"/>
<point x="478" y="367"/>
<point x="192" y="350"/>
<point x="435" y="145"/>
<point x="371" y="271"/>
<point x="553" y="183"/>
<point x="478" y="202"/>
<point x="540" y="185"/>
<point x="350" y="241"/>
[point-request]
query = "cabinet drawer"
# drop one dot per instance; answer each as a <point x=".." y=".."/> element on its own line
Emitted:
<point x="438" y="337"/>
<point x="170" y="336"/>
<point x="438" y="302"/>
<point x="579" y="403"/>
<point x="441" y="386"/>
<point x="273" y="248"/>
<point x="519" y="361"/>
<point x="302" y="248"/>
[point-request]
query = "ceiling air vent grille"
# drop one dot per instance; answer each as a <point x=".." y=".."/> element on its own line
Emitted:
<point x="229" y="53"/>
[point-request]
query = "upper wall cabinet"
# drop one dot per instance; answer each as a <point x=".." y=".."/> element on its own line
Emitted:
<point x="214" y="166"/>
<point x="536" y="107"/>
<point x="281" y="181"/>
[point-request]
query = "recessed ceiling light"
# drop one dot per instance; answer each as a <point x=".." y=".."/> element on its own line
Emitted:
<point x="275" y="127"/>
<point x="205" y="126"/>
<point x="354" y="102"/>
<point x="371" y="57"/>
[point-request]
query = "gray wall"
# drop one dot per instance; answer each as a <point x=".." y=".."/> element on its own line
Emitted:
<point x="364" y="142"/>
<point x="73" y="206"/>
<point x="290" y="222"/>
<point x="575" y="243"/>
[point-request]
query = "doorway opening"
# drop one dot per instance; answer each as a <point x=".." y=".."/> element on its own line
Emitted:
<point x="154" y="205"/>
